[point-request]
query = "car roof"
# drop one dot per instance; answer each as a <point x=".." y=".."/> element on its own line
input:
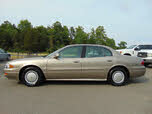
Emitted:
<point x="87" y="45"/>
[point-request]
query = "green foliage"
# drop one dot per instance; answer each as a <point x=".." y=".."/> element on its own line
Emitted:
<point x="59" y="36"/>
<point x="26" y="38"/>
<point x="122" y="45"/>
<point x="81" y="37"/>
<point x="24" y="25"/>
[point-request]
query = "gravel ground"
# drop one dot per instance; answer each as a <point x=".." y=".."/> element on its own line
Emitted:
<point x="76" y="97"/>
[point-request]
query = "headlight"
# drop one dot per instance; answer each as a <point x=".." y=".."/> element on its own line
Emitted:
<point x="9" y="66"/>
<point x="149" y="54"/>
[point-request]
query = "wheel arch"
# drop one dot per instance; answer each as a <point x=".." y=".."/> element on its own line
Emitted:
<point x="119" y="66"/>
<point x="23" y="68"/>
<point x="127" y="54"/>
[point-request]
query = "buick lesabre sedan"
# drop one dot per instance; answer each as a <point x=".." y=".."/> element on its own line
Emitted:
<point x="77" y="62"/>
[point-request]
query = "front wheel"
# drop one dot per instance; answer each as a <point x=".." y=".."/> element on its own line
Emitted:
<point x="118" y="76"/>
<point x="32" y="76"/>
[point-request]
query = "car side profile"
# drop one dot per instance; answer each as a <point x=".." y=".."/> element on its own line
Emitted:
<point x="77" y="62"/>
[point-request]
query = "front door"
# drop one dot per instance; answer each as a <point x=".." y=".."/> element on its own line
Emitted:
<point x="67" y="65"/>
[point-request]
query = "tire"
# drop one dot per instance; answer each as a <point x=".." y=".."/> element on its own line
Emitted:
<point x="32" y="76"/>
<point x="118" y="76"/>
<point x="146" y="64"/>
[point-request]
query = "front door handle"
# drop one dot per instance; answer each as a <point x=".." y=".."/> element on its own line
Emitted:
<point x="76" y="61"/>
<point x="109" y="60"/>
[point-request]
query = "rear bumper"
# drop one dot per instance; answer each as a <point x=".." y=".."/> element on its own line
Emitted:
<point x="137" y="71"/>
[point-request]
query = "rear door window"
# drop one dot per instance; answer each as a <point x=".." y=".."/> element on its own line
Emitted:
<point x="97" y="51"/>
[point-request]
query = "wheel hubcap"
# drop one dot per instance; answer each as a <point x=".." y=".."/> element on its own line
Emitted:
<point x="118" y="77"/>
<point x="31" y="77"/>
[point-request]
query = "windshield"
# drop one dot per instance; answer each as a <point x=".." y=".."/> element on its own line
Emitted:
<point x="131" y="47"/>
<point x="145" y="46"/>
<point x="52" y="54"/>
<point x="2" y="51"/>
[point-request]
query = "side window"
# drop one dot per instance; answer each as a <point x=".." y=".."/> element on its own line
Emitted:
<point x="71" y="52"/>
<point x="140" y="47"/>
<point x="96" y="51"/>
<point x="107" y="52"/>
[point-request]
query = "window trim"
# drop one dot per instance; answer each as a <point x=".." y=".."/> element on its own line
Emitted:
<point x="97" y="57"/>
<point x="71" y="47"/>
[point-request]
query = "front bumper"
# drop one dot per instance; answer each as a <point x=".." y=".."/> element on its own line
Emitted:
<point x="11" y="73"/>
<point x="147" y="60"/>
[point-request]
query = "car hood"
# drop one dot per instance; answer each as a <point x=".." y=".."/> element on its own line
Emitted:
<point x="28" y="60"/>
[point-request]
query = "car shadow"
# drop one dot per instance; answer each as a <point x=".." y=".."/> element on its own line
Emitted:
<point x="75" y="83"/>
<point x="131" y="81"/>
<point x="150" y="66"/>
<point x="138" y="80"/>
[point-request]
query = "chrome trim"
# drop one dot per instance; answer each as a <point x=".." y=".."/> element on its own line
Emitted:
<point x="76" y="79"/>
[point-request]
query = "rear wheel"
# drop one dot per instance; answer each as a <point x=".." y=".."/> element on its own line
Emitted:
<point x="32" y="76"/>
<point x="118" y="76"/>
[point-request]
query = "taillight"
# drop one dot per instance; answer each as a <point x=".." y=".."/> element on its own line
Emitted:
<point x="142" y="63"/>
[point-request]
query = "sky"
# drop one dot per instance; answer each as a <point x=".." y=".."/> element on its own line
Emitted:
<point x="123" y="20"/>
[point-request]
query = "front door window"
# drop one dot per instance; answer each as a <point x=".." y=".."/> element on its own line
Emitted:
<point x="71" y="52"/>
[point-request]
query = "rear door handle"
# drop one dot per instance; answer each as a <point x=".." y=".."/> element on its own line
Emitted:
<point x="76" y="61"/>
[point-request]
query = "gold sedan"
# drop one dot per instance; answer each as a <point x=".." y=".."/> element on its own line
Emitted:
<point x="77" y="62"/>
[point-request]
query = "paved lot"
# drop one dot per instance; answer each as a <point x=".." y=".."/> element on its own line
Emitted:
<point x="76" y="97"/>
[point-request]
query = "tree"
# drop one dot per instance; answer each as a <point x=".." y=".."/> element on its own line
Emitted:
<point x="24" y="25"/>
<point x="59" y="36"/>
<point x="92" y="37"/>
<point x="111" y="43"/>
<point x="31" y="39"/>
<point x="24" y="28"/>
<point x="101" y="36"/>
<point x="122" y="45"/>
<point x="80" y="36"/>
<point x="28" y="41"/>
<point x="7" y="34"/>
<point x="43" y="39"/>
<point x="66" y="36"/>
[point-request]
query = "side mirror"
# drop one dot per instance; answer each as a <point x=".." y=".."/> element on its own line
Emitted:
<point x="137" y="49"/>
<point x="56" y="56"/>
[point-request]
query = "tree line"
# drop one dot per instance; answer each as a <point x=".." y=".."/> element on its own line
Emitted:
<point x="26" y="38"/>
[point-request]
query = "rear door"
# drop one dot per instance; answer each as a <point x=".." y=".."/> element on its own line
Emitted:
<point x="96" y="62"/>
